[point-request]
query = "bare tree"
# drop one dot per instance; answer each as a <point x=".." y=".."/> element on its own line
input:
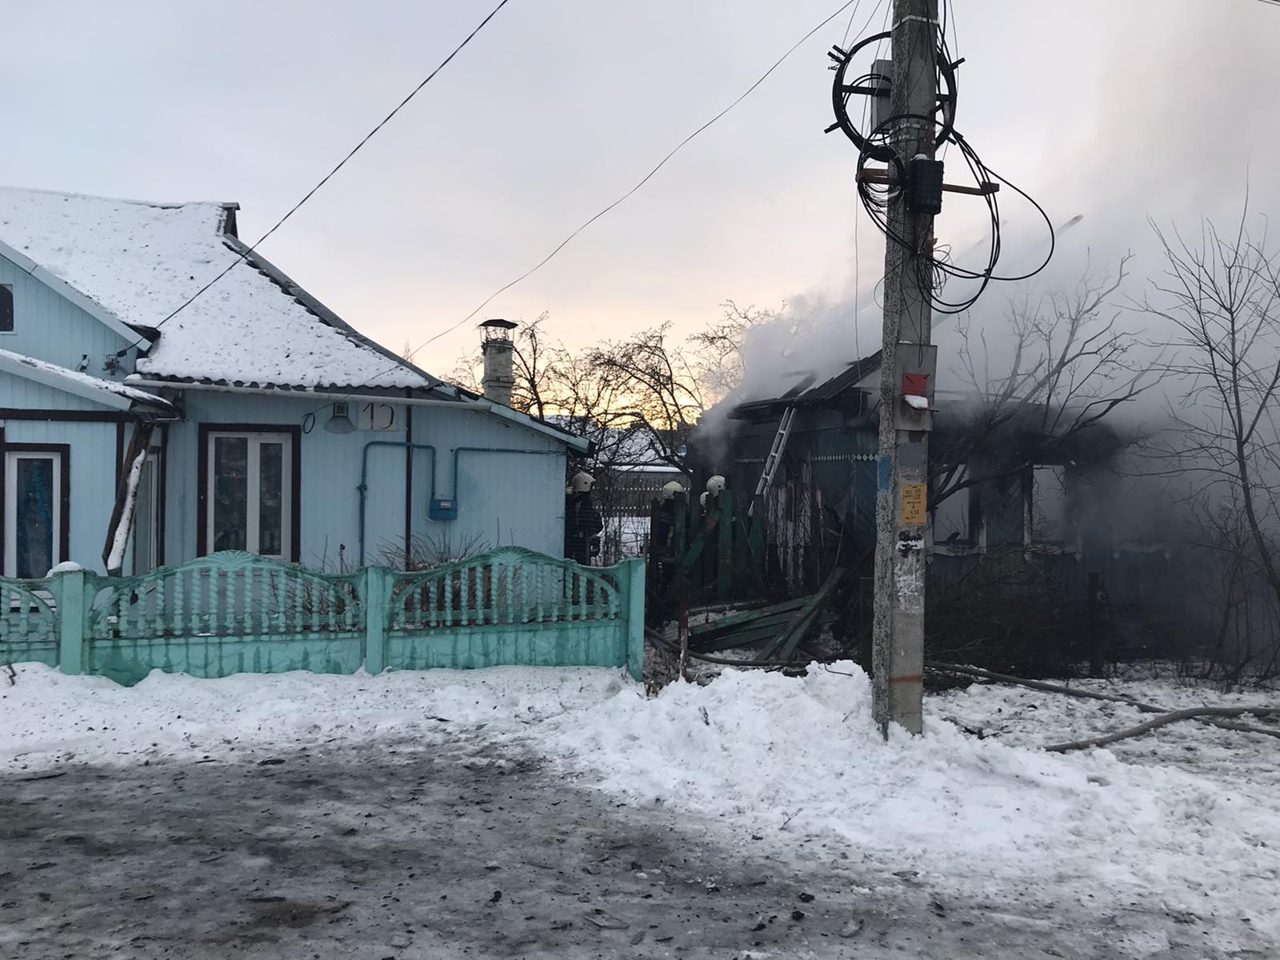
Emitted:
<point x="1220" y="295"/>
<point x="534" y="361"/>
<point x="658" y="385"/>
<point x="1072" y="364"/>
<point x="718" y="350"/>
<point x="635" y="400"/>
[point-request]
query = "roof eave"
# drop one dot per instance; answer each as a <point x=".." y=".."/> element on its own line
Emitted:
<point x="73" y="385"/>
<point x="581" y="444"/>
<point x="67" y="291"/>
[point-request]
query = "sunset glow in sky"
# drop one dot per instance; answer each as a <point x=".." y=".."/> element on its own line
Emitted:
<point x="1097" y="107"/>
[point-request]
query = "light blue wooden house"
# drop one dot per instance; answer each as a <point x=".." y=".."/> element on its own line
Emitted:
<point x="166" y="393"/>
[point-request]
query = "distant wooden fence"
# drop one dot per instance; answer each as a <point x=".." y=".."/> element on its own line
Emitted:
<point x="701" y="553"/>
<point x="238" y="613"/>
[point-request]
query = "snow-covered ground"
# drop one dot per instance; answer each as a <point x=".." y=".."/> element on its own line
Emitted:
<point x="1168" y="846"/>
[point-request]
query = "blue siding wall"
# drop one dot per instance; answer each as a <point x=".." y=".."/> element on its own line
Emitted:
<point x="93" y="477"/>
<point x="504" y="499"/>
<point x="23" y="394"/>
<point x="49" y="327"/>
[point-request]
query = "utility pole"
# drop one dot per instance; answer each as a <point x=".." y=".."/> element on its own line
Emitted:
<point x="906" y="372"/>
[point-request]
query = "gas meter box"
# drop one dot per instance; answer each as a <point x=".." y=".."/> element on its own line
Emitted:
<point x="441" y="509"/>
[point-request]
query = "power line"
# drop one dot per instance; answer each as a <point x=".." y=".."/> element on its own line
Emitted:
<point x="643" y="180"/>
<point x="933" y="270"/>
<point x="327" y="177"/>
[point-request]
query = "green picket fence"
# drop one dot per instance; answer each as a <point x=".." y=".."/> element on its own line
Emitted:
<point x="238" y="613"/>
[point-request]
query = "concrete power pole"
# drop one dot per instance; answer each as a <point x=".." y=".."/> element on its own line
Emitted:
<point x="906" y="373"/>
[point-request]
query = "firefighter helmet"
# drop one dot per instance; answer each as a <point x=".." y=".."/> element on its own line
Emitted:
<point x="582" y="482"/>
<point x="670" y="490"/>
<point x="715" y="486"/>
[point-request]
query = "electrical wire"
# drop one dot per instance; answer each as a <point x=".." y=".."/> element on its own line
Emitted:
<point x="326" y="178"/>
<point x="933" y="271"/>
<point x="849" y="27"/>
<point x="643" y="180"/>
<point x="876" y="9"/>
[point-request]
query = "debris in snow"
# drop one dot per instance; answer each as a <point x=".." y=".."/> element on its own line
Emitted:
<point x="1176" y="716"/>
<point x="606" y="921"/>
<point x="851" y="929"/>
<point x="1211" y="715"/>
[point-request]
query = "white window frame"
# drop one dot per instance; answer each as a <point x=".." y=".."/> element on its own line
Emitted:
<point x="11" y="459"/>
<point x="254" y="483"/>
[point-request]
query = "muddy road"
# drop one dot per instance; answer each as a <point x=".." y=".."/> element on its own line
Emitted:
<point x="399" y="850"/>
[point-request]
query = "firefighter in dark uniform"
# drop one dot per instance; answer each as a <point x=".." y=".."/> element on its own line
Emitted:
<point x="670" y="500"/>
<point x="582" y="522"/>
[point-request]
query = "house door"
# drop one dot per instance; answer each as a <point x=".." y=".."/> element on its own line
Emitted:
<point x="32" y="513"/>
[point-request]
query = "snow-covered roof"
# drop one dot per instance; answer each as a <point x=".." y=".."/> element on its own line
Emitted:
<point x="622" y="447"/>
<point x="138" y="262"/>
<point x="118" y="395"/>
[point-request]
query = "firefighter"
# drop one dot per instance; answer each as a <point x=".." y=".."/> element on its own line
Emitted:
<point x="671" y="499"/>
<point x="715" y="487"/>
<point x="582" y="522"/>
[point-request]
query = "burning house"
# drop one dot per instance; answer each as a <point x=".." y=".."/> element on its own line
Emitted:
<point x="1021" y="502"/>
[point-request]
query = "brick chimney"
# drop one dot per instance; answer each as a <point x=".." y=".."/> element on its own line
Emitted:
<point x="499" y="378"/>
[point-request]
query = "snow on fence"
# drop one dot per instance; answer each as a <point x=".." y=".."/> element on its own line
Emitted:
<point x="235" y="612"/>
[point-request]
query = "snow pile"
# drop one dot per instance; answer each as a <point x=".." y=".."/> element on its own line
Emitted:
<point x="47" y="718"/>
<point x="799" y="761"/>
<point x="142" y="261"/>
<point x="792" y="767"/>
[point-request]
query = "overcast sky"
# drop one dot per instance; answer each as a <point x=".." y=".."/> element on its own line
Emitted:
<point x="1115" y="109"/>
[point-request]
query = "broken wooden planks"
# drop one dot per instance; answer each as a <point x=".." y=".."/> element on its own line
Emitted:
<point x="782" y="626"/>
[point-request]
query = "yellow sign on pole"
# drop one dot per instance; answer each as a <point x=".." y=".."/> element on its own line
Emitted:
<point x="915" y="511"/>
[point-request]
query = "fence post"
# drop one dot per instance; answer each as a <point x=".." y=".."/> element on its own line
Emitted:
<point x="376" y="594"/>
<point x="71" y="621"/>
<point x="635" y="618"/>
<point x="724" y="547"/>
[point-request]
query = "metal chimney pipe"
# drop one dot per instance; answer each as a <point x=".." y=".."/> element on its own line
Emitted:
<point x="499" y="377"/>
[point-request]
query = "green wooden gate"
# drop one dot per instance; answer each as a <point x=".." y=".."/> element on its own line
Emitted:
<point x="238" y="613"/>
